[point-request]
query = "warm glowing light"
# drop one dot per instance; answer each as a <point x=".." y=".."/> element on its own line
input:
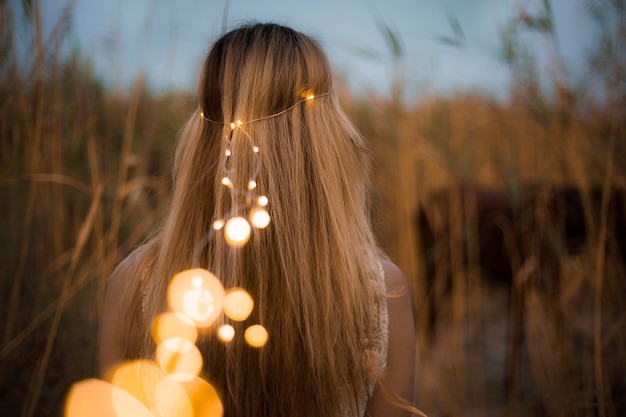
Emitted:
<point x="256" y="336"/>
<point x="198" y="303"/>
<point x="232" y="126"/>
<point x="196" y="282"/>
<point x="310" y="97"/>
<point x="201" y="114"/>
<point x="252" y="185"/>
<point x="255" y="149"/>
<point x="139" y="378"/>
<point x="179" y="358"/>
<point x="226" y="182"/>
<point x="218" y="224"/>
<point x="171" y="399"/>
<point x="204" y="398"/>
<point x="170" y="325"/>
<point x="226" y="332"/>
<point x="263" y="201"/>
<point x="238" y="304"/>
<point x="227" y="152"/>
<point x="149" y="384"/>
<point x="97" y="398"/>
<point x="260" y="218"/>
<point x="237" y="231"/>
<point x="239" y="122"/>
<point x="197" y="294"/>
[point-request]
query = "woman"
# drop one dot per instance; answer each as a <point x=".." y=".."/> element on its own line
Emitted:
<point x="341" y="337"/>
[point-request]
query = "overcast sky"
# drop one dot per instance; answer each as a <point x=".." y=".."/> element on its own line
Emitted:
<point x="169" y="39"/>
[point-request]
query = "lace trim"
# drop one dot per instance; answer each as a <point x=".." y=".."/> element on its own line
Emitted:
<point x="378" y="336"/>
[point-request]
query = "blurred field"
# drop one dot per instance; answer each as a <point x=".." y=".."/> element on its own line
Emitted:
<point x="84" y="174"/>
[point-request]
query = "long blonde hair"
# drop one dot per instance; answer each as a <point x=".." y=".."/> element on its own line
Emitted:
<point x="312" y="271"/>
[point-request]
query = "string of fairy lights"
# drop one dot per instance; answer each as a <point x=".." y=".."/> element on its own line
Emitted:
<point x="237" y="228"/>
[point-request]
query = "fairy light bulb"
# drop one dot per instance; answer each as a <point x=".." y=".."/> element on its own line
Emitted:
<point x="226" y="182"/>
<point x="310" y="97"/>
<point x="238" y="304"/>
<point x="255" y="149"/>
<point x="237" y="231"/>
<point x="260" y="218"/>
<point x="256" y="336"/>
<point x="262" y="201"/>
<point x="226" y="333"/>
<point x="252" y="185"/>
<point x="197" y="294"/>
<point x="218" y="224"/>
<point x="179" y="358"/>
<point x="227" y="152"/>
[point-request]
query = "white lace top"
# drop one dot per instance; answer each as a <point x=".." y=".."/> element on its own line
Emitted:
<point x="378" y="336"/>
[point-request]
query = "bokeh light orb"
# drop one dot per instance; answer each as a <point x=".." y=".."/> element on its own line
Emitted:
<point x="226" y="333"/>
<point x="256" y="336"/>
<point x="238" y="304"/>
<point x="262" y="200"/>
<point x="139" y="378"/>
<point x="174" y="324"/>
<point x="237" y="231"/>
<point x="97" y="398"/>
<point x="218" y="224"/>
<point x="204" y="398"/>
<point x="171" y="399"/>
<point x="197" y="294"/>
<point x="260" y="218"/>
<point x="180" y="359"/>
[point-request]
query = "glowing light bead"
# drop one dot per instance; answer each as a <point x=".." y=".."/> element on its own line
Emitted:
<point x="232" y="126"/>
<point x="218" y="224"/>
<point x="227" y="152"/>
<point x="252" y="185"/>
<point x="260" y="218"/>
<point x="93" y="397"/>
<point x="238" y="304"/>
<point x="226" y="182"/>
<point x="197" y="294"/>
<point x="171" y="399"/>
<point x="170" y="325"/>
<point x="139" y="378"/>
<point x="256" y="336"/>
<point x="255" y="149"/>
<point x="239" y="122"/>
<point x="204" y="399"/>
<point x="237" y="231"/>
<point x="198" y="303"/>
<point x="310" y="97"/>
<point x="179" y="358"/>
<point x="262" y="201"/>
<point x="226" y="333"/>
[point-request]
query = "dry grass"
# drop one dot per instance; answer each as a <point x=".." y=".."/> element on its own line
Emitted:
<point x="84" y="175"/>
<point x="562" y="359"/>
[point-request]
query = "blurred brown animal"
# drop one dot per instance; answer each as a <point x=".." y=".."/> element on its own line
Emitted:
<point x="492" y="234"/>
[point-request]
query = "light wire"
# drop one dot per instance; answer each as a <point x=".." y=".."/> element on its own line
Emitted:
<point x="311" y="97"/>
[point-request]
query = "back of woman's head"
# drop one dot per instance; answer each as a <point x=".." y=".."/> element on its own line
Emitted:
<point x="312" y="271"/>
<point x="260" y="70"/>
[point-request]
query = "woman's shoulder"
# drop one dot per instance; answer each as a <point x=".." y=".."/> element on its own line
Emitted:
<point x="395" y="280"/>
<point x="116" y="310"/>
<point x="122" y="277"/>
